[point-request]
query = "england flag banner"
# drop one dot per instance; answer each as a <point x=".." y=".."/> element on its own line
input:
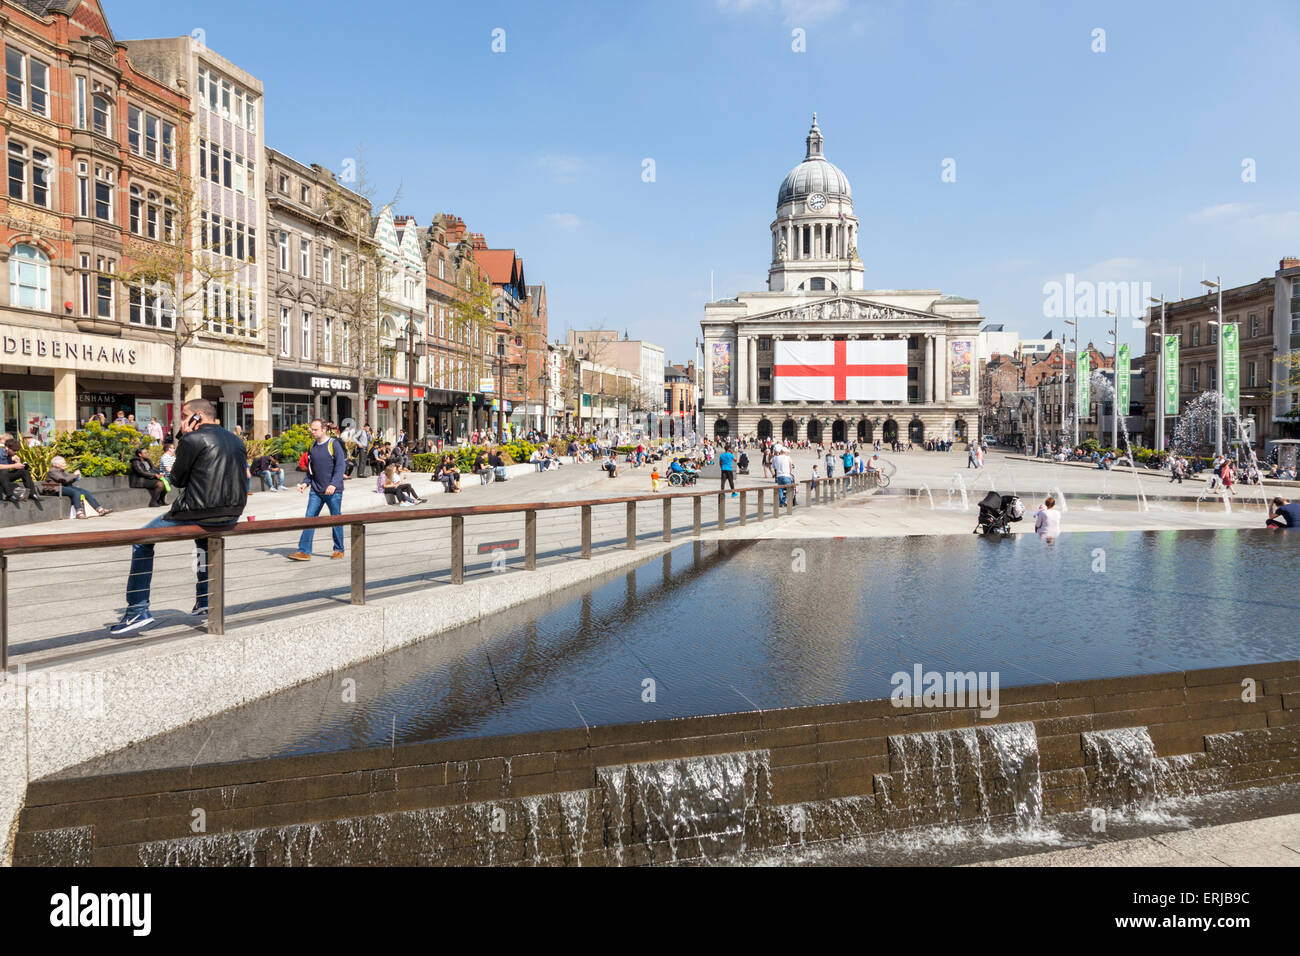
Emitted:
<point x="872" y="370"/>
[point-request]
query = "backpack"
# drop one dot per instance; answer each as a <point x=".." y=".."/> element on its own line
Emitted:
<point x="304" y="461"/>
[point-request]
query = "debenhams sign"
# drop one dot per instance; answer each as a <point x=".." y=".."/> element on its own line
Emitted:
<point x="39" y="348"/>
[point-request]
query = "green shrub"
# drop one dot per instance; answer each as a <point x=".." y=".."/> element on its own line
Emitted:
<point x="98" y="450"/>
<point x="37" y="458"/>
<point x="99" y="466"/>
<point x="290" y="444"/>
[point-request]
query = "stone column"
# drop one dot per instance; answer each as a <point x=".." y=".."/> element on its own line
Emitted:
<point x="752" y="359"/>
<point x="941" y="388"/>
<point x="739" y="360"/>
<point x="65" y="400"/>
<point x="928" y="396"/>
<point x="261" y="409"/>
<point x="191" y="388"/>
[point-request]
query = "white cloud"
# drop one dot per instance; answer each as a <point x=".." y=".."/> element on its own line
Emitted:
<point x="564" y="220"/>
<point x="562" y="167"/>
<point x="792" y="11"/>
<point x="1222" y="211"/>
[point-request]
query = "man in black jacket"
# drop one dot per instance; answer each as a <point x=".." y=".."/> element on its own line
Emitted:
<point x="210" y="469"/>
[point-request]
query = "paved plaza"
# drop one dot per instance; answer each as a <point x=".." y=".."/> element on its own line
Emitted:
<point x="49" y="626"/>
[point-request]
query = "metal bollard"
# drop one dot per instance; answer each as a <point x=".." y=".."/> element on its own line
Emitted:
<point x="457" y="549"/>
<point x="358" y="563"/>
<point x="216" y="548"/>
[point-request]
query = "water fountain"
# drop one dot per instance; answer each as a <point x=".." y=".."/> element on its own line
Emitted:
<point x="926" y="489"/>
<point x="1107" y="390"/>
<point x="1125" y="773"/>
<point x="959" y="484"/>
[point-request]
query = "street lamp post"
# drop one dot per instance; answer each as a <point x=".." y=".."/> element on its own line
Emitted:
<point x="1114" y="379"/>
<point x="1160" y="377"/>
<point x="1217" y="286"/>
<point x="1075" y="393"/>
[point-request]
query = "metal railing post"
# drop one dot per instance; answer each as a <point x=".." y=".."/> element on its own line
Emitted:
<point x="744" y="497"/>
<point x="457" y="549"/>
<point x="4" y="616"/>
<point x="586" y="531"/>
<point x="759" y="515"/>
<point x="668" y="519"/>
<point x="216" y="558"/>
<point x="530" y="540"/>
<point x="697" y="512"/>
<point x="631" y="525"/>
<point x="722" y="510"/>
<point x="789" y="499"/>
<point x="358" y="564"/>
<point x="776" y="502"/>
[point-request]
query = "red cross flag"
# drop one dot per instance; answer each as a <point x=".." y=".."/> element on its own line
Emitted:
<point x="860" y="371"/>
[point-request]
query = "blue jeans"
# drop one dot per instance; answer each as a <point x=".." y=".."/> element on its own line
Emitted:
<point x="315" y="501"/>
<point x="784" y="480"/>
<point x="76" y="494"/>
<point x="273" y="479"/>
<point x="141" y="575"/>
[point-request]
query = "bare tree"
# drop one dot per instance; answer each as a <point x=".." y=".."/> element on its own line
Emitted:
<point x="181" y="270"/>
<point x="350" y="211"/>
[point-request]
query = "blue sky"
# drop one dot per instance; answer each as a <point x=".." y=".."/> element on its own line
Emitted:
<point x="1123" y="165"/>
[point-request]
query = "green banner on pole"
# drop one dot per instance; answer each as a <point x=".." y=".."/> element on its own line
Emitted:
<point x="1082" y="375"/>
<point x="1123" y="381"/>
<point x="1171" y="375"/>
<point x="1231" y="371"/>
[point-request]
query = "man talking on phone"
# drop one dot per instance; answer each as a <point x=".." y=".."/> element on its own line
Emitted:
<point x="210" y="471"/>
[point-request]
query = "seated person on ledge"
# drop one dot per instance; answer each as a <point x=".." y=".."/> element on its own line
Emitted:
<point x="1283" y="515"/>
<point x="449" y="475"/>
<point x="611" y="465"/>
<point x="399" y="489"/>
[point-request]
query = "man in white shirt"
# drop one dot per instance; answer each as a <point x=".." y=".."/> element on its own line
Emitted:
<point x="783" y="468"/>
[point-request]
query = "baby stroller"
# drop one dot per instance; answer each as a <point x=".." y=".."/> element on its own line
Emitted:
<point x="997" y="512"/>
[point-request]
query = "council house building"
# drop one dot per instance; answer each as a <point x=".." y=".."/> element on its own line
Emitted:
<point x="819" y="357"/>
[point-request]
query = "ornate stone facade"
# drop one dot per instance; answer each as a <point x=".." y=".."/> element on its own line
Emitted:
<point x="740" y="334"/>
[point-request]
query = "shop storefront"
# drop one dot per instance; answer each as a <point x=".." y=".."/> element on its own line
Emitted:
<point x="391" y="409"/>
<point x="58" y="380"/>
<point x="299" y="396"/>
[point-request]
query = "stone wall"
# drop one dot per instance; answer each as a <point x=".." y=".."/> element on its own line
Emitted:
<point x="692" y="788"/>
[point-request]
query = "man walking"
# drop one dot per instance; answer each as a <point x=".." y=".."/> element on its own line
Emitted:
<point x="325" y="465"/>
<point x="209" y="469"/>
<point x="727" y="462"/>
<point x="362" y="437"/>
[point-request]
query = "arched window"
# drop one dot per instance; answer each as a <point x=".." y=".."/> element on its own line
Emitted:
<point x="788" y="429"/>
<point x="101" y="115"/>
<point x="151" y="216"/>
<point x="764" y="429"/>
<point x="721" y="429"/>
<point x="29" y="278"/>
<point x="916" y="431"/>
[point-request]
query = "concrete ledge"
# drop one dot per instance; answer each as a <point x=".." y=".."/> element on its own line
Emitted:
<point x="143" y="691"/>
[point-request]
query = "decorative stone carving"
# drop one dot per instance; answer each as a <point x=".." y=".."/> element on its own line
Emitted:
<point x="782" y="250"/>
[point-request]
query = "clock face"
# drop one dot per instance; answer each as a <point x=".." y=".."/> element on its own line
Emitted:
<point x="816" y="202"/>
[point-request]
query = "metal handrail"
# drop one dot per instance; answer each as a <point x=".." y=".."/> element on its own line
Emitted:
<point x="820" y="490"/>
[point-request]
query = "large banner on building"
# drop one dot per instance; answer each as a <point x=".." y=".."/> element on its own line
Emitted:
<point x="1231" y="371"/>
<point x="1123" y="381"/>
<point x="1170" y="384"/>
<point x="962" y="353"/>
<point x="873" y="370"/>
<point x="720" y="359"/>
<point x="1083" y="385"/>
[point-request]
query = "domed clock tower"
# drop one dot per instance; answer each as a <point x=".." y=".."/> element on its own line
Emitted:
<point x="815" y="234"/>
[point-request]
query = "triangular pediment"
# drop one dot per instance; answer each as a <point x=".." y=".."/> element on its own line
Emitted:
<point x="843" y="308"/>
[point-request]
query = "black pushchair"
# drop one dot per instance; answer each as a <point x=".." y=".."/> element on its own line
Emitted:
<point x="997" y="512"/>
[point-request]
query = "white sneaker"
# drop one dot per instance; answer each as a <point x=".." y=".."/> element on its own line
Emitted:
<point x="405" y="504"/>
